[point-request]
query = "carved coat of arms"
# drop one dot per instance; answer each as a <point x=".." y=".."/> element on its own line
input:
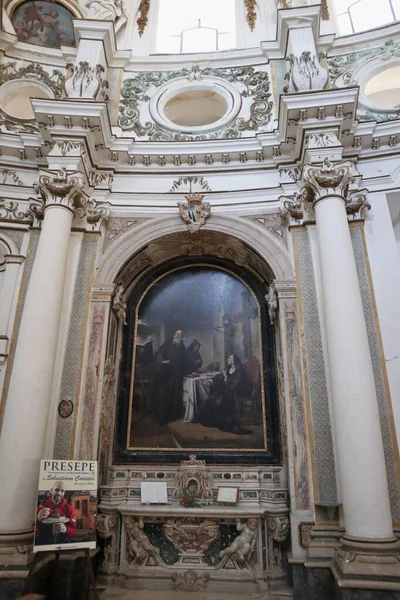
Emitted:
<point x="194" y="211"/>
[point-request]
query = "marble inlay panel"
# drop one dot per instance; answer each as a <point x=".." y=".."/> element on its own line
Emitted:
<point x="29" y="260"/>
<point x="70" y="381"/>
<point x="374" y="346"/>
<point x="297" y="408"/>
<point x="91" y="391"/>
<point x="15" y="235"/>
<point x="323" y="457"/>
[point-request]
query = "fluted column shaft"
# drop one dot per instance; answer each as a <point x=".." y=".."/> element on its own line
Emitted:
<point x="359" y="443"/>
<point x="27" y="406"/>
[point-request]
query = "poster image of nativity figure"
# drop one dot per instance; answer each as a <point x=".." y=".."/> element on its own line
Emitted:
<point x="197" y="363"/>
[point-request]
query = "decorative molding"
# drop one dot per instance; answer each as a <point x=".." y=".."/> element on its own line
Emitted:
<point x="86" y="81"/>
<point x="194" y="212"/>
<point x="68" y="148"/>
<point x="322" y="139"/>
<point x="116" y="226"/>
<point x="305" y="73"/>
<point x="342" y="68"/>
<point x="143" y="17"/>
<point x="325" y="10"/>
<point x="96" y="213"/>
<point x="190" y="581"/>
<point x="106" y="525"/>
<point x="273" y="223"/>
<point x="278" y="531"/>
<point x="292" y="207"/>
<point x="251" y="14"/>
<point x="344" y="71"/>
<point x="107" y="405"/>
<point x="136" y="91"/>
<point x="289" y="174"/>
<point x="304" y="531"/>
<point x="8" y="123"/>
<point x="12" y="211"/>
<point x="34" y="71"/>
<point x="191" y="537"/>
<point x="192" y="182"/>
<point x="108" y="10"/>
<point x="194" y="472"/>
<point x="10" y="177"/>
<point x="101" y="180"/>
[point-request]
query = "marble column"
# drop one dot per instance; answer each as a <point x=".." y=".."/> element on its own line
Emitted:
<point x="27" y="406"/>
<point x="360" y="456"/>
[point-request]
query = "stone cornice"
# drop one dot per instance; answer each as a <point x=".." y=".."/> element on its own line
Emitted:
<point x="365" y="39"/>
<point x="299" y="115"/>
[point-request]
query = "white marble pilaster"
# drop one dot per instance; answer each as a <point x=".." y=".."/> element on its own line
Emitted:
<point x="7" y="301"/>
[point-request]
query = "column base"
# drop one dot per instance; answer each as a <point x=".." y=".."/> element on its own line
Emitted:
<point x="16" y="548"/>
<point x="71" y="581"/>
<point x="324" y="541"/>
<point x="367" y="564"/>
<point x="316" y="581"/>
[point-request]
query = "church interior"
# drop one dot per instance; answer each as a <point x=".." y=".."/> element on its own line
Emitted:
<point x="199" y="299"/>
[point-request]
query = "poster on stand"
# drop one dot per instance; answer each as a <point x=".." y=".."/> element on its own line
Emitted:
<point x="66" y="505"/>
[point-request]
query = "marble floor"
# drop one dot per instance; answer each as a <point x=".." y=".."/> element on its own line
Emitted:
<point x="116" y="593"/>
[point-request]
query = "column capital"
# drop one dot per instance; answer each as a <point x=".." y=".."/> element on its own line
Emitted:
<point x="324" y="181"/>
<point x="329" y="179"/>
<point x="61" y="188"/>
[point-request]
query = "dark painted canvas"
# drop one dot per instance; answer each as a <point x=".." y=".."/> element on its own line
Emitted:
<point x="44" y="24"/>
<point x="196" y="378"/>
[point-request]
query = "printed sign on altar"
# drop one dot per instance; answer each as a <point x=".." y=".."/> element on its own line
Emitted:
<point x="66" y="505"/>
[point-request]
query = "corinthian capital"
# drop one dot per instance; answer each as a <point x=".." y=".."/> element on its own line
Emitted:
<point x="63" y="189"/>
<point x="331" y="179"/>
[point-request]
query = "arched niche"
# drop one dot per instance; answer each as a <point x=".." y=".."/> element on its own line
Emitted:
<point x="134" y="254"/>
<point x="232" y="425"/>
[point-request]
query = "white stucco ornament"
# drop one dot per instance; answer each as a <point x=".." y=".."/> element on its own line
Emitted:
<point x="194" y="211"/>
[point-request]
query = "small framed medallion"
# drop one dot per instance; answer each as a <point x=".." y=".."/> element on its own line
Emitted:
<point x="65" y="408"/>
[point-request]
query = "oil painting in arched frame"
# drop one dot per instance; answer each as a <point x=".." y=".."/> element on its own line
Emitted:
<point x="198" y="371"/>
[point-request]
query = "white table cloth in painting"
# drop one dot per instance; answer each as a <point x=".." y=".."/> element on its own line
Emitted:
<point x="196" y="388"/>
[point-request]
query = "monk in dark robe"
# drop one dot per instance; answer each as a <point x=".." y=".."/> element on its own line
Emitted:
<point x="171" y="364"/>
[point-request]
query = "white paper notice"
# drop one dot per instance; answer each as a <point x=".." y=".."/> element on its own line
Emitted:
<point x="153" y="492"/>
